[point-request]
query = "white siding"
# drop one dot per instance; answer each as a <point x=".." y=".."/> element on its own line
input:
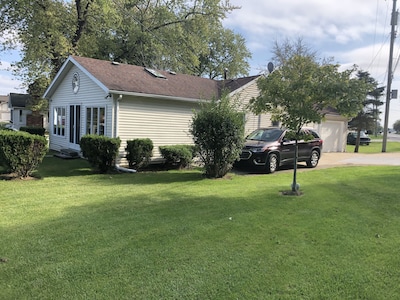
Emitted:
<point x="333" y="131"/>
<point x="252" y="121"/>
<point x="89" y="94"/>
<point x="165" y="122"/>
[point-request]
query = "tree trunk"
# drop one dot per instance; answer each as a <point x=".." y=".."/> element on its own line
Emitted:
<point x="294" y="184"/>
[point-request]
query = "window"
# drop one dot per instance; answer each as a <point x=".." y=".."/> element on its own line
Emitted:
<point x="59" y="121"/>
<point x="95" y="120"/>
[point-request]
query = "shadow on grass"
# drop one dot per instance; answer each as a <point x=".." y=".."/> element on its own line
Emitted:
<point x="58" y="167"/>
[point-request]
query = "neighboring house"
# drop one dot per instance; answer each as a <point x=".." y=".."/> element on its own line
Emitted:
<point x="90" y="96"/>
<point x="5" y="115"/>
<point x="17" y="104"/>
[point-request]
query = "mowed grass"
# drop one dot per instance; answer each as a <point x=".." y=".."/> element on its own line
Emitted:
<point x="176" y="235"/>
<point x="375" y="147"/>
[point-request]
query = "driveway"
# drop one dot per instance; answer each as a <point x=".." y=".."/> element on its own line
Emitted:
<point x="347" y="159"/>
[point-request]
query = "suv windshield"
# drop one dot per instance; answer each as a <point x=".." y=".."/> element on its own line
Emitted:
<point x="267" y="135"/>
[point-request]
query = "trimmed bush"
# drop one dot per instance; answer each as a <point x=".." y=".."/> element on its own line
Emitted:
<point x="139" y="152"/>
<point x="100" y="151"/>
<point x="34" y="130"/>
<point x="178" y="155"/>
<point x="218" y="132"/>
<point x="21" y="152"/>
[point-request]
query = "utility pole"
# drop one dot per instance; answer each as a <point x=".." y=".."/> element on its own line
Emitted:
<point x="390" y="75"/>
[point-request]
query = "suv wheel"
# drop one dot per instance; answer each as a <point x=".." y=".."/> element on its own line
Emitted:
<point x="272" y="163"/>
<point x="312" y="162"/>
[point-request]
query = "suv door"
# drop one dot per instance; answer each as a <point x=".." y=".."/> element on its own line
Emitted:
<point x="287" y="150"/>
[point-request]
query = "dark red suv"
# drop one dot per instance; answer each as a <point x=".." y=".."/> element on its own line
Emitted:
<point x="269" y="149"/>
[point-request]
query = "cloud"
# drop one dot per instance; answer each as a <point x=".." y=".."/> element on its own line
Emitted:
<point x="341" y="20"/>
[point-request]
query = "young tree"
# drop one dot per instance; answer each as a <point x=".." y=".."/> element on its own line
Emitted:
<point x="218" y="133"/>
<point x="302" y="87"/>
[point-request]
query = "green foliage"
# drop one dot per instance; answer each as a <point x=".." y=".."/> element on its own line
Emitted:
<point x="33" y="130"/>
<point x="139" y="152"/>
<point x="218" y="133"/>
<point x="100" y="151"/>
<point x="396" y="126"/>
<point x="178" y="155"/>
<point x="185" y="36"/>
<point x="21" y="152"/>
<point x="302" y="89"/>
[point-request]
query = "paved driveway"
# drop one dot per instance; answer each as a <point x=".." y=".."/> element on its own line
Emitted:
<point x="335" y="159"/>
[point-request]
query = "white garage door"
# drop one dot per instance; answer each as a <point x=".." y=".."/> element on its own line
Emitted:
<point x="333" y="134"/>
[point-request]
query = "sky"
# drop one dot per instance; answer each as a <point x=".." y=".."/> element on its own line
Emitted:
<point x="349" y="31"/>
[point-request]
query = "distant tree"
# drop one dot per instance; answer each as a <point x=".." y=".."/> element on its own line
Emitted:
<point x="375" y="101"/>
<point x="302" y="87"/>
<point x="366" y="117"/>
<point x="396" y="126"/>
<point x="218" y="133"/>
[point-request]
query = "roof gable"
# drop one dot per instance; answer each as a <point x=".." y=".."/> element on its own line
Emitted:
<point x="118" y="77"/>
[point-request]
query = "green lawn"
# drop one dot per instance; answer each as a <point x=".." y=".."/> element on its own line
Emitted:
<point x="375" y="147"/>
<point x="176" y="235"/>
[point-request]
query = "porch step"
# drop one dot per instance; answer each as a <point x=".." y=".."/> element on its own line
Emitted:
<point x="68" y="154"/>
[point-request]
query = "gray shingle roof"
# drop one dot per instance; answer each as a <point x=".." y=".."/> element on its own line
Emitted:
<point x="19" y="100"/>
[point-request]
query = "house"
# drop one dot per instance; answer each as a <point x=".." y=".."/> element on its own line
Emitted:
<point x="91" y="96"/>
<point x="18" y="109"/>
<point x="5" y="115"/>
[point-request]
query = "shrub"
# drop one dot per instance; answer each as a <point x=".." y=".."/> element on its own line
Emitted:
<point x="218" y="132"/>
<point x="21" y="152"/>
<point x="139" y="152"/>
<point x="100" y="151"/>
<point x="178" y="155"/>
<point x="34" y="130"/>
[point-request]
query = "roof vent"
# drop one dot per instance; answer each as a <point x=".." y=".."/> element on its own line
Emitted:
<point x="115" y="63"/>
<point x="155" y="73"/>
<point x="172" y="72"/>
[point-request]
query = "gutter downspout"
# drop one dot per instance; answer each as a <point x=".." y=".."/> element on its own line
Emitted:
<point x="115" y="130"/>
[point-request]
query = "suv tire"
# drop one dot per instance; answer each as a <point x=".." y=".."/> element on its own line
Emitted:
<point x="312" y="162"/>
<point x="272" y="163"/>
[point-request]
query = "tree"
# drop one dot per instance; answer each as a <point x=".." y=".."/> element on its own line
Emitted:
<point x="218" y="133"/>
<point x="375" y="102"/>
<point x="302" y="87"/>
<point x="396" y="126"/>
<point x="171" y="34"/>
<point x="366" y="118"/>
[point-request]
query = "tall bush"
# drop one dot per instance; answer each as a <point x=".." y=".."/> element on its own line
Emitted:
<point x="139" y="152"/>
<point x="21" y="152"/>
<point x="100" y="151"/>
<point x="218" y="132"/>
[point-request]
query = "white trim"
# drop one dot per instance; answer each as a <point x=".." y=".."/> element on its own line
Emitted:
<point x="62" y="72"/>
<point x="157" y="96"/>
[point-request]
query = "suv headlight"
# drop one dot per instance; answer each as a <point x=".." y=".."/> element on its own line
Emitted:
<point x="258" y="150"/>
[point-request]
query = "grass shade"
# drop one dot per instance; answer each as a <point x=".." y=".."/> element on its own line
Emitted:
<point x="176" y="235"/>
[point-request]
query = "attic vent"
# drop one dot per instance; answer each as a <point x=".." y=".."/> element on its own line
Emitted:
<point x="115" y="63"/>
<point x="155" y="73"/>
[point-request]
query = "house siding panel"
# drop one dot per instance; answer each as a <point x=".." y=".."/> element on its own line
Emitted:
<point x="252" y="121"/>
<point x="165" y="122"/>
